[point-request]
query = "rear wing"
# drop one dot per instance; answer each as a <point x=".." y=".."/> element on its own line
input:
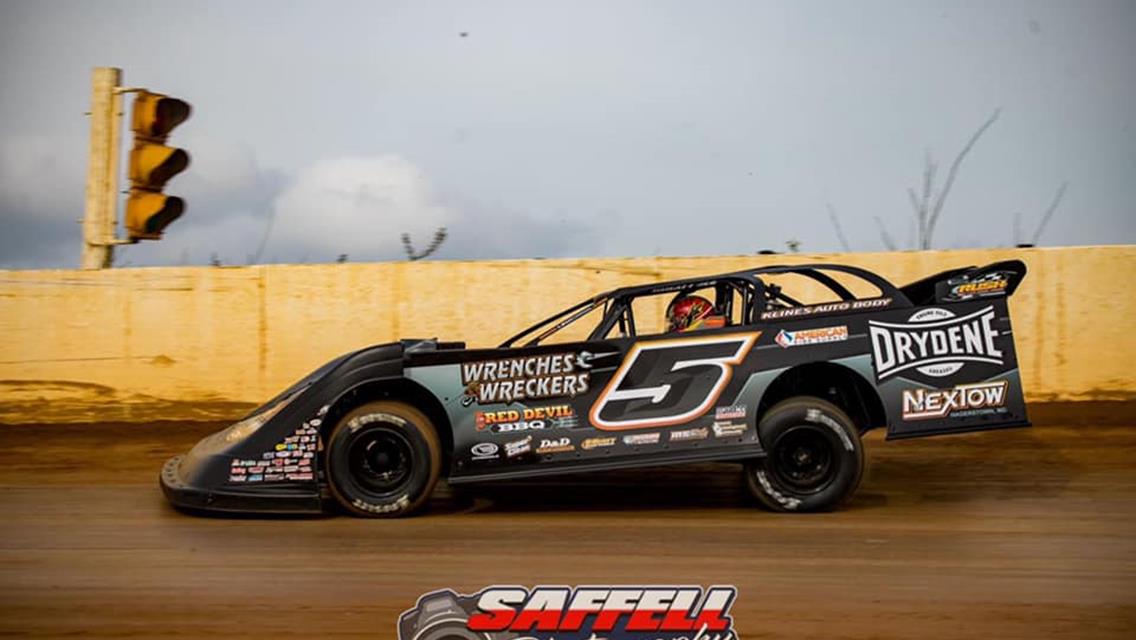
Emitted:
<point x="951" y="366"/>
<point x="995" y="280"/>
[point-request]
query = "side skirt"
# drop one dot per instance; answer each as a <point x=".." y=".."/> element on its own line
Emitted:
<point x="721" y="455"/>
<point x="944" y="432"/>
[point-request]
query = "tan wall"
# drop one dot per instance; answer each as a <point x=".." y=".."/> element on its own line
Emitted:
<point x="185" y="343"/>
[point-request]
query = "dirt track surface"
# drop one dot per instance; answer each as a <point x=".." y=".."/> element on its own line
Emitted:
<point x="1016" y="534"/>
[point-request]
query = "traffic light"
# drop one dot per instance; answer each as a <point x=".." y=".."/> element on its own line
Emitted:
<point x="152" y="164"/>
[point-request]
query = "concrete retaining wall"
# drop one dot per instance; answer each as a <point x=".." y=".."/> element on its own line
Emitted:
<point x="207" y="343"/>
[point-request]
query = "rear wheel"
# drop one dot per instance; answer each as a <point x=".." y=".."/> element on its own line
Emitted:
<point x="814" y="458"/>
<point x="383" y="460"/>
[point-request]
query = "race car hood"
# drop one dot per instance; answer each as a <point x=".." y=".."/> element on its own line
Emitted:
<point x="286" y="425"/>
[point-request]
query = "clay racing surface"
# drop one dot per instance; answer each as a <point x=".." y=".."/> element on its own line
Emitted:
<point x="1027" y="533"/>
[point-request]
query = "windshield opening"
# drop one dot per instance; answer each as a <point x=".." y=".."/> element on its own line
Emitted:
<point x="574" y="324"/>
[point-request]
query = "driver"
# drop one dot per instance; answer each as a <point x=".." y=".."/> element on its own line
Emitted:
<point x="688" y="313"/>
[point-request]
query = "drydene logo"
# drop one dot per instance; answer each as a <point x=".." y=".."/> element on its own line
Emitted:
<point x="581" y="613"/>
<point x="934" y="342"/>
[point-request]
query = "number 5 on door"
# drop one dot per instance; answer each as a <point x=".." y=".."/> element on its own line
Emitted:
<point x="669" y="382"/>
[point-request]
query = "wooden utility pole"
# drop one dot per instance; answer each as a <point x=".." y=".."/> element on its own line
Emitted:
<point x="100" y="216"/>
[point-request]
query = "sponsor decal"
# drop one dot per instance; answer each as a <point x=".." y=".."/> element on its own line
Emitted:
<point x="565" y="422"/>
<point x="291" y="459"/>
<point x="935" y="342"/>
<point x="700" y="433"/>
<point x="669" y="382"/>
<point x="827" y="308"/>
<point x="595" y="443"/>
<point x="594" y="612"/>
<point x="529" y="378"/>
<point x="734" y="412"/>
<point x="821" y="335"/>
<point x="555" y="445"/>
<point x="728" y="429"/>
<point x="518" y="447"/>
<point x="986" y="285"/>
<point x="964" y="400"/>
<point x="484" y="451"/>
<point x="514" y="420"/>
<point x="636" y="439"/>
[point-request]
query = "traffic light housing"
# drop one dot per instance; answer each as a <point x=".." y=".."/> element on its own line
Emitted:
<point x="152" y="164"/>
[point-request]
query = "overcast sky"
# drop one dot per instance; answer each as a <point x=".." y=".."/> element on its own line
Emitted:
<point x="577" y="128"/>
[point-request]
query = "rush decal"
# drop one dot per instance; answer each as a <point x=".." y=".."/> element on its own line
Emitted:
<point x="986" y="285"/>
<point x="934" y="342"/>
<point x="669" y="382"/>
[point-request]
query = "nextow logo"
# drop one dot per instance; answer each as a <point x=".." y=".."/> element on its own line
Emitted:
<point x="603" y="612"/>
<point x="934" y="342"/>
<point x="963" y="400"/>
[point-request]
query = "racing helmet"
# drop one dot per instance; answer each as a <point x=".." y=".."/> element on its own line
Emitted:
<point x="686" y="313"/>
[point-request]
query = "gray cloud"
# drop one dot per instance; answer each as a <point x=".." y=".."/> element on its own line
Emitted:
<point x="40" y="202"/>
<point x="580" y="128"/>
<point x="358" y="206"/>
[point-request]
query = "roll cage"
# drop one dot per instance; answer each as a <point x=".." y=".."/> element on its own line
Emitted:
<point x="754" y="295"/>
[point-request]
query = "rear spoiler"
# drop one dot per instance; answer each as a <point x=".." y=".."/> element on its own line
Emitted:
<point x="967" y="283"/>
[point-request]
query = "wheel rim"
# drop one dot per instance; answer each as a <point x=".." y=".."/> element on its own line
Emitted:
<point x="380" y="461"/>
<point x="803" y="459"/>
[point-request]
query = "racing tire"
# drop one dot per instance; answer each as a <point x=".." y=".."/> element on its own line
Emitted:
<point x="814" y="458"/>
<point x="383" y="460"/>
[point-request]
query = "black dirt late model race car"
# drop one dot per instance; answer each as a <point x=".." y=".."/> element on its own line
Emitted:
<point x="785" y="388"/>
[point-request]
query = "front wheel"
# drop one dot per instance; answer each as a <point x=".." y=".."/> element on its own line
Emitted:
<point x="814" y="458"/>
<point x="383" y="460"/>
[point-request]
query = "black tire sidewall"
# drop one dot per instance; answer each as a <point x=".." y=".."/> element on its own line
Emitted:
<point x="423" y="474"/>
<point x="847" y="452"/>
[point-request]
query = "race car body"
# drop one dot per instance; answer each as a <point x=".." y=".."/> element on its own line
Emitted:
<point x="783" y="386"/>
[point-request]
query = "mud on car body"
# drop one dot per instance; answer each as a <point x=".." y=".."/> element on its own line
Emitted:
<point x="782" y="386"/>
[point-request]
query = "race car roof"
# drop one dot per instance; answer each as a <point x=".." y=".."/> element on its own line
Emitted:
<point x="814" y="271"/>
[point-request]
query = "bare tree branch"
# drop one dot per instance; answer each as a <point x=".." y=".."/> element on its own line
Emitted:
<point x="914" y="202"/>
<point x="951" y="174"/>
<point x="255" y="259"/>
<point x="884" y="235"/>
<point x="1049" y="212"/>
<point x="439" y="238"/>
<point x="836" y="227"/>
<point x="929" y="169"/>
